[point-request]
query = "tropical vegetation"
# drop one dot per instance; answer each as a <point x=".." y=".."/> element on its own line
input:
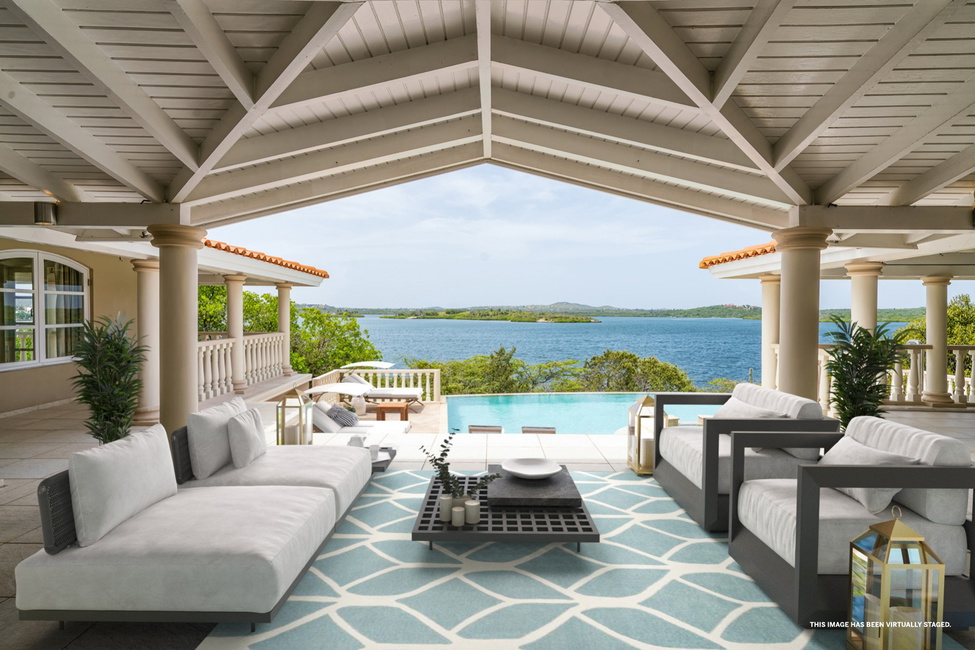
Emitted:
<point x="501" y="314"/>
<point x="960" y="323"/>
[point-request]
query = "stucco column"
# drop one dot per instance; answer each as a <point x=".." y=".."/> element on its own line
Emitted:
<point x="863" y="292"/>
<point x="799" y="315"/>
<point x="284" y="324"/>
<point x="771" y="285"/>
<point x="178" y="372"/>
<point x="147" y="329"/>
<point x="235" y="328"/>
<point x="936" y="359"/>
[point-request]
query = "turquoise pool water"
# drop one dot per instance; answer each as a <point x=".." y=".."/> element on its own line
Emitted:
<point x="590" y="413"/>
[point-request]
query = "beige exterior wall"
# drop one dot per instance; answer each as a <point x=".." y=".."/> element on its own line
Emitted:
<point x="113" y="289"/>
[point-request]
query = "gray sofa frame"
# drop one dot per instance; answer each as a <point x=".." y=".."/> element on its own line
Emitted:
<point x="705" y="505"/>
<point x="802" y="593"/>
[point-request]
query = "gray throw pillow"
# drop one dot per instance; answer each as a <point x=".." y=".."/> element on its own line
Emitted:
<point x="343" y="416"/>
<point x="247" y="442"/>
<point x="319" y="417"/>
<point x="850" y="452"/>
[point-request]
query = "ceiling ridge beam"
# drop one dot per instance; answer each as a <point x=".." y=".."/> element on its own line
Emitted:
<point x="755" y="34"/>
<point x="48" y="22"/>
<point x="563" y="66"/>
<point x="954" y="106"/>
<point x="625" y="130"/>
<point x="30" y="173"/>
<point x="351" y="128"/>
<point x="955" y="168"/>
<point x="651" y="33"/>
<point x="884" y="219"/>
<point x="904" y="37"/>
<point x="35" y="111"/>
<point x="318" y="26"/>
<point x="205" y="32"/>
<point x="482" y="18"/>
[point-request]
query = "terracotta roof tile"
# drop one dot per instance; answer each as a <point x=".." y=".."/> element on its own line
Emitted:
<point x="264" y="257"/>
<point x="731" y="256"/>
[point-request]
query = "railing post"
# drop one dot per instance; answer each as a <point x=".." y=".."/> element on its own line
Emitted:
<point x="897" y="382"/>
<point x="958" y="394"/>
<point x="436" y="385"/>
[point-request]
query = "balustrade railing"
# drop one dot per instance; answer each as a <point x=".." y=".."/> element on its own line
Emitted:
<point x="215" y="368"/>
<point x="427" y="379"/>
<point x="263" y="360"/>
<point x="263" y="356"/>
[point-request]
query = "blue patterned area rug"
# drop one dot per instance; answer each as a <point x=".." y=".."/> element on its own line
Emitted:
<point x="654" y="581"/>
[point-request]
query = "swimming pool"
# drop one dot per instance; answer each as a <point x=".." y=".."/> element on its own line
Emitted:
<point x="591" y="413"/>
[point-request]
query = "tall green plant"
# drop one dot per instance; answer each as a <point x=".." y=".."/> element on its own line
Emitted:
<point x="108" y="380"/>
<point x="858" y="364"/>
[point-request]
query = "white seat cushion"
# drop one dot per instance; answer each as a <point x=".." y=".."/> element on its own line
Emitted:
<point x="395" y="393"/>
<point x="344" y="470"/>
<point x="683" y="447"/>
<point x="768" y="509"/>
<point x="378" y="428"/>
<point x="214" y="550"/>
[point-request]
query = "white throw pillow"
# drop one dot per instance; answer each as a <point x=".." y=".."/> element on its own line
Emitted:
<point x="247" y="442"/>
<point x="343" y="416"/>
<point x="850" y="452"/>
<point x="735" y="409"/>
<point x="113" y="482"/>
<point x="319" y="417"/>
<point x="208" y="438"/>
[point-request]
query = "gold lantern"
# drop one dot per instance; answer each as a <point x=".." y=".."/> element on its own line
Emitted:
<point x="291" y="432"/>
<point x="639" y="443"/>
<point x="896" y="590"/>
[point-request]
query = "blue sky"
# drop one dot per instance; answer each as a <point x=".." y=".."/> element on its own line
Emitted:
<point x="487" y="235"/>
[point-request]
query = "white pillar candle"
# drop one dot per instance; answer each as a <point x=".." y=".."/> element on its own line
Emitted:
<point x="472" y="511"/>
<point x="446" y="503"/>
<point x="457" y="516"/>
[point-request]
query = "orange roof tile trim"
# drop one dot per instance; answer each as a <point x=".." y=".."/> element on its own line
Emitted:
<point x="264" y="257"/>
<point x="745" y="253"/>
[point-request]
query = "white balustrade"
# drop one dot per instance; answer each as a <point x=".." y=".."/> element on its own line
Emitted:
<point x="263" y="356"/>
<point x="214" y="367"/>
<point x="428" y="379"/>
<point x="263" y="360"/>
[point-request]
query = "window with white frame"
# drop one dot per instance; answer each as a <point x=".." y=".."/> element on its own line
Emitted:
<point x="45" y="305"/>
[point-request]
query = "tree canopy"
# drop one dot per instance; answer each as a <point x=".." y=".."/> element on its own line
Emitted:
<point x="624" y="371"/>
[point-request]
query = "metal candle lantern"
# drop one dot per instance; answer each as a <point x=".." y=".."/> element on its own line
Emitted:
<point x="896" y="589"/>
<point x="299" y="433"/>
<point x="639" y="451"/>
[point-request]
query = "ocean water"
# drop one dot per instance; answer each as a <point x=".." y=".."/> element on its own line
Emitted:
<point x="704" y="348"/>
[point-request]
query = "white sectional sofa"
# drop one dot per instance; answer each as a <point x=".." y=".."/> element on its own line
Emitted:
<point x="693" y="463"/>
<point x="126" y="538"/>
<point x="793" y="535"/>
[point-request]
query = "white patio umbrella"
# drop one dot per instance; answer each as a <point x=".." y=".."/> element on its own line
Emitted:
<point x="382" y="365"/>
<point x="342" y="388"/>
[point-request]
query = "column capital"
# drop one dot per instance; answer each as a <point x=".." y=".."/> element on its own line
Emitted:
<point x="936" y="279"/>
<point x="145" y="266"/>
<point x="864" y="268"/>
<point x="233" y="277"/>
<point x="801" y="237"/>
<point x="167" y="234"/>
<point x="283" y="285"/>
<point x="770" y="278"/>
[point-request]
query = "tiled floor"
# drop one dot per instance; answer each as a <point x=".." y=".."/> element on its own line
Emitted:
<point x="37" y="444"/>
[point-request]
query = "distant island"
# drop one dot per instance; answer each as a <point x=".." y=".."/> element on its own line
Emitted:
<point x="571" y="312"/>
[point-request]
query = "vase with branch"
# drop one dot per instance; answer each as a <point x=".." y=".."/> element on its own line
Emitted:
<point x="455" y="489"/>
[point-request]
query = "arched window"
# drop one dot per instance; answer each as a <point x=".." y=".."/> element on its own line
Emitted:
<point x="45" y="304"/>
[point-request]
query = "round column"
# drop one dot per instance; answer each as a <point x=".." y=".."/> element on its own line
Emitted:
<point x="178" y="372"/>
<point x="284" y="324"/>
<point x="799" y="319"/>
<point x="235" y="328"/>
<point x="936" y="359"/>
<point x="147" y="329"/>
<point x="771" y="285"/>
<point x="863" y="292"/>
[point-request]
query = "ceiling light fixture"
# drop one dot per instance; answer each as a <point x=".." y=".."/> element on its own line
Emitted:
<point x="45" y="214"/>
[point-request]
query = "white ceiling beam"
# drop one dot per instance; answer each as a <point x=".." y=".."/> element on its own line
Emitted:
<point x="642" y="23"/>
<point x="755" y="34"/>
<point x="599" y="74"/>
<point x="30" y="173"/>
<point x="337" y="159"/>
<point x="954" y="106"/>
<point x="884" y="219"/>
<point x="205" y="32"/>
<point x="626" y="130"/>
<point x="343" y="130"/>
<point x="48" y="21"/>
<point x="33" y="110"/>
<point x="482" y="16"/>
<point x="955" y="168"/>
<point x="601" y="153"/>
<point x="637" y="187"/>
<point x="328" y="188"/>
<point x="897" y="44"/>
<point x="316" y="28"/>
<point x="98" y="215"/>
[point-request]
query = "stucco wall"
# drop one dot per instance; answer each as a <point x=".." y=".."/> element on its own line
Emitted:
<point x="113" y="290"/>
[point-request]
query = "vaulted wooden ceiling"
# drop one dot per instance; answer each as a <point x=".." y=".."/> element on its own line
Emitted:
<point x="735" y="109"/>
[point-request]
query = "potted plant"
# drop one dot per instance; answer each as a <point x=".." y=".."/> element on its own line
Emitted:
<point x="858" y="365"/>
<point x="108" y="383"/>
<point x="455" y="489"/>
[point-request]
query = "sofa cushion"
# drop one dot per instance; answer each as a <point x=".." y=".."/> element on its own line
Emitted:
<point x="208" y="437"/>
<point x="343" y="416"/>
<point x="850" y="452"/>
<point x="246" y="434"/>
<point x="344" y="470"/>
<point x="735" y="409"/>
<point x="208" y="550"/>
<point x="927" y="448"/>
<point x="113" y="482"/>
<point x="321" y="420"/>
<point x="768" y="509"/>
<point x="793" y="406"/>
<point x="683" y="447"/>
